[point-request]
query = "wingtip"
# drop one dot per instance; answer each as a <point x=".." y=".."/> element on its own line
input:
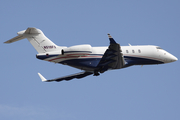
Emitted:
<point x="112" y="41"/>
<point x="109" y="35"/>
<point x="42" y="78"/>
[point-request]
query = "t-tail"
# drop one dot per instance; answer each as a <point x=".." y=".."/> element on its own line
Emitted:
<point x="38" y="40"/>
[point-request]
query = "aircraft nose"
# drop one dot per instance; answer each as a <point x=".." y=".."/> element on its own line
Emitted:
<point x="173" y="58"/>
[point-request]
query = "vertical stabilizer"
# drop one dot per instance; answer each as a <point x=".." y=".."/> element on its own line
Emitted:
<point x="38" y="40"/>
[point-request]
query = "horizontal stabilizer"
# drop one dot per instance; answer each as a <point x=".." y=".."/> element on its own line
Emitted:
<point x="67" y="78"/>
<point x="24" y="34"/>
<point x="17" y="38"/>
<point x="32" y="31"/>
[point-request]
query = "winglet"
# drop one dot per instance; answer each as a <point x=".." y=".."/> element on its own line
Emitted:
<point x="109" y="35"/>
<point x="112" y="41"/>
<point x="42" y="78"/>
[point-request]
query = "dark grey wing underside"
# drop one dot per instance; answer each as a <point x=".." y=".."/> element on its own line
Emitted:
<point x="70" y="77"/>
<point x="112" y="58"/>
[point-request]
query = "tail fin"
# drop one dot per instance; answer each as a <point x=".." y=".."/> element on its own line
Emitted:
<point x="38" y="40"/>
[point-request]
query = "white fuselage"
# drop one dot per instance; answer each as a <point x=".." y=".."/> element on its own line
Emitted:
<point x="88" y="59"/>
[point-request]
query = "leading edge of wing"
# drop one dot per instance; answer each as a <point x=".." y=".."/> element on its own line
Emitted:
<point x="67" y="78"/>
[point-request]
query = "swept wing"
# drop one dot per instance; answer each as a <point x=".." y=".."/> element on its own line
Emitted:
<point x="67" y="78"/>
<point x="112" y="58"/>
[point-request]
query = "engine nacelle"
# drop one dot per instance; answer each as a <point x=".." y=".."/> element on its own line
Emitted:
<point x="77" y="49"/>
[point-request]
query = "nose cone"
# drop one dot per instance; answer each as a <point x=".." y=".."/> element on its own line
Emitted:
<point x="173" y="58"/>
<point x="167" y="57"/>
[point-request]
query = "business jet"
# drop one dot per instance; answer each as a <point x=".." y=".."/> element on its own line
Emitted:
<point x="92" y="60"/>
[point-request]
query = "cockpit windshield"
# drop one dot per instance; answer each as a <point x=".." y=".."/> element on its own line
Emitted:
<point x="158" y="47"/>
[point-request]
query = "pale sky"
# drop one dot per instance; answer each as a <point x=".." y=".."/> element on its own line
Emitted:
<point x="134" y="93"/>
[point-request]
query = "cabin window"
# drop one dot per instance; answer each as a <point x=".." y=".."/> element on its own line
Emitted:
<point x="127" y="51"/>
<point x="133" y="51"/>
<point x="139" y="51"/>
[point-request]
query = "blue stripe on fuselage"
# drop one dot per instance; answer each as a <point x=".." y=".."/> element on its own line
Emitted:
<point x="91" y="63"/>
<point x="140" y="61"/>
<point x="42" y="57"/>
<point x="85" y="63"/>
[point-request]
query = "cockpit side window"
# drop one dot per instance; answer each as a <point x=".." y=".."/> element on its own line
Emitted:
<point x="158" y="48"/>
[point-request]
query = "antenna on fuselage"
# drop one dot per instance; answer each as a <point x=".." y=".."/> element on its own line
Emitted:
<point x="129" y="44"/>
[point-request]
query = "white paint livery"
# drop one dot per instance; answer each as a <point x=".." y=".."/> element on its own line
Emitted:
<point x="92" y="60"/>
